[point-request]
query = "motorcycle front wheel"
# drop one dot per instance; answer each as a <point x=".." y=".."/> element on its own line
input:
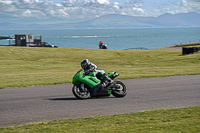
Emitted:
<point x="120" y="92"/>
<point x="80" y="93"/>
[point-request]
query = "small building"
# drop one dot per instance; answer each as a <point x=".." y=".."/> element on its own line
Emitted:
<point x="27" y="40"/>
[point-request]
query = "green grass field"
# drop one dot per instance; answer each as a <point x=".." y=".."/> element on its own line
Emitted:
<point x="182" y="120"/>
<point x="26" y="66"/>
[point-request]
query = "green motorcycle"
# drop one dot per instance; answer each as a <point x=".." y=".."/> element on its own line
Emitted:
<point x="87" y="86"/>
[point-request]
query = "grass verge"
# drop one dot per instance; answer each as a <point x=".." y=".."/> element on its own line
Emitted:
<point x="161" y="120"/>
<point x="194" y="44"/>
<point x="25" y="66"/>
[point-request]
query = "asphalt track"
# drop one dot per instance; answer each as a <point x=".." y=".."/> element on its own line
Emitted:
<point x="24" y="105"/>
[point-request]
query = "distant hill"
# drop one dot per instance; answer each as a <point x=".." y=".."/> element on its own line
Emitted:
<point x="191" y="19"/>
<point x="178" y="20"/>
<point x="117" y="21"/>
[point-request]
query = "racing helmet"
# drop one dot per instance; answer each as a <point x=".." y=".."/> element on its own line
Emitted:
<point x="85" y="63"/>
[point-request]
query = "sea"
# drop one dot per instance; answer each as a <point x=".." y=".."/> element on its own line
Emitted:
<point x="121" y="39"/>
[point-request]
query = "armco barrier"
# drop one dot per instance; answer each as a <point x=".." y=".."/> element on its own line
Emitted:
<point x="189" y="50"/>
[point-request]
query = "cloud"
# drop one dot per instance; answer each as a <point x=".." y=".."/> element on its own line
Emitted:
<point x="69" y="9"/>
<point x="31" y="9"/>
<point x="95" y="8"/>
<point x="88" y="9"/>
<point x="196" y="0"/>
<point x="173" y="7"/>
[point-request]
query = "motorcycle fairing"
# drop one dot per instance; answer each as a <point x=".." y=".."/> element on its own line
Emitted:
<point x="90" y="80"/>
<point x="113" y="75"/>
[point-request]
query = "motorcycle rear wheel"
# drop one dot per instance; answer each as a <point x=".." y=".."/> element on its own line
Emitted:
<point x="121" y="92"/>
<point x="79" y="93"/>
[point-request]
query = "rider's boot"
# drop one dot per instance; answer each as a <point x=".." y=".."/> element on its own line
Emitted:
<point x="111" y="83"/>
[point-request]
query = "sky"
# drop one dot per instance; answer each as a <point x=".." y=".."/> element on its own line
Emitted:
<point x="59" y="11"/>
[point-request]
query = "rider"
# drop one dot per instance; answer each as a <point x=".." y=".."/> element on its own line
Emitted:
<point x="100" y="44"/>
<point x="90" y="67"/>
